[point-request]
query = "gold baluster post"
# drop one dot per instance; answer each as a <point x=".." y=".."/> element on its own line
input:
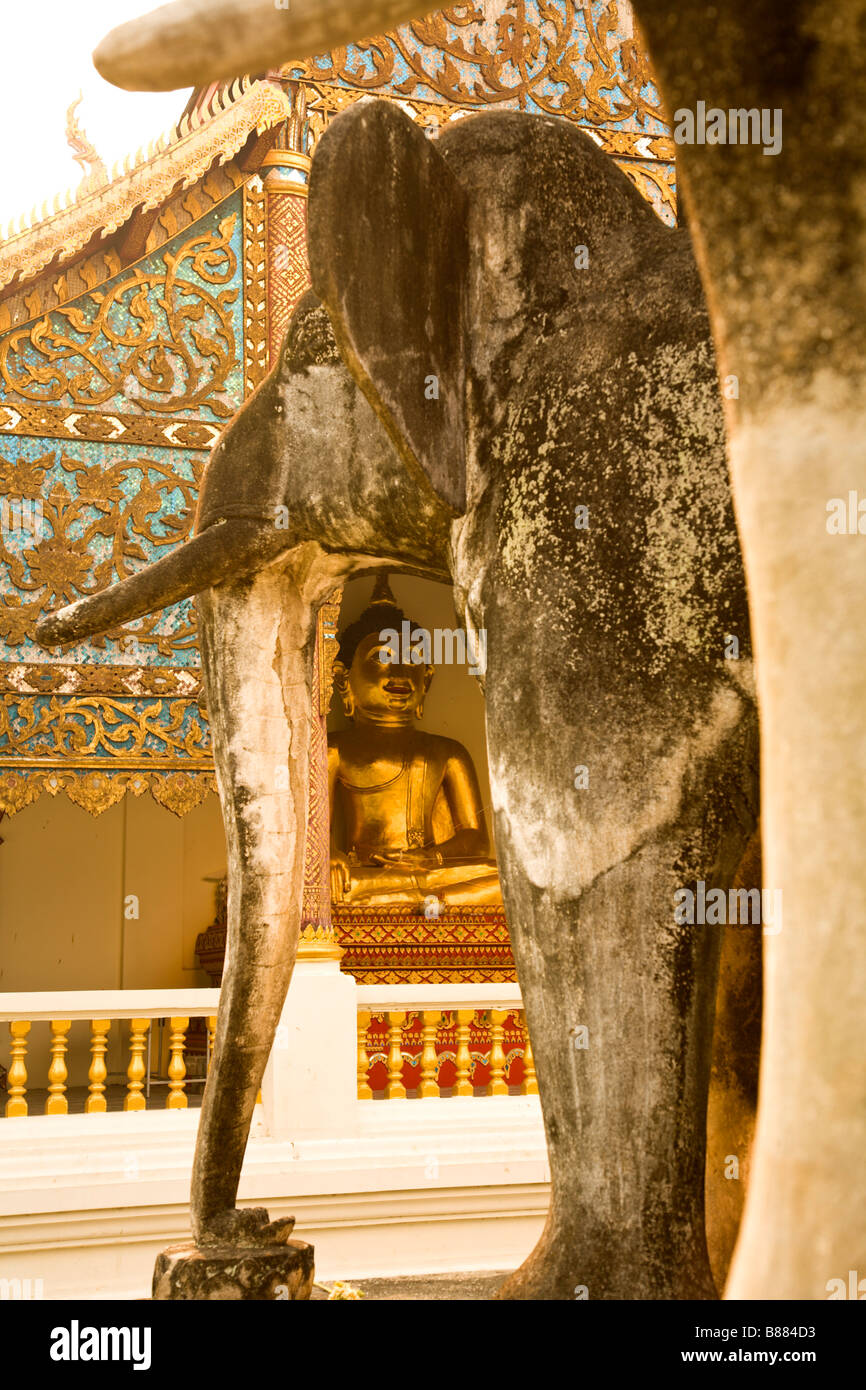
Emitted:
<point x="177" y="1099"/>
<point x="57" y="1104"/>
<point x="530" y="1081"/>
<point x="463" y="1061"/>
<point x="95" y="1103"/>
<point x="428" y="1088"/>
<point x="211" y="1034"/>
<point x="497" y="1085"/>
<point x="16" y="1080"/>
<point x="364" y="1089"/>
<point x="395" y="1090"/>
<point x="136" y="1071"/>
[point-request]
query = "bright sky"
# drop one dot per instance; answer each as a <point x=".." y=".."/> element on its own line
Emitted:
<point x="46" y="62"/>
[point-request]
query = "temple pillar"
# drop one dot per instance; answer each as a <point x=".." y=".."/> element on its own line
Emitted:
<point x="318" y="939"/>
<point x="286" y="170"/>
<point x="285" y="174"/>
<point x="306" y="1073"/>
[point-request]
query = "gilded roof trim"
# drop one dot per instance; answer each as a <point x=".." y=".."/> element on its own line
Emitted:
<point x="185" y="158"/>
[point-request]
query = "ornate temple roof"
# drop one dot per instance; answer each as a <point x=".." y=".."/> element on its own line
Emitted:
<point x="136" y="318"/>
<point x="577" y="61"/>
<point x="213" y="130"/>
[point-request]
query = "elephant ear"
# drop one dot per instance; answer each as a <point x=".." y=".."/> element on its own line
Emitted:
<point x="387" y="246"/>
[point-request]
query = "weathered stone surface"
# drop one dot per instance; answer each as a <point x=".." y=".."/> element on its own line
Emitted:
<point x="229" y="1273"/>
<point x="781" y="250"/>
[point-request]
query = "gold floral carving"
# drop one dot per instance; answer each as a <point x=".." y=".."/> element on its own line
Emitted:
<point x="217" y="134"/>
<point x="95" y="791"/>
<point x="60" y="567"/>
<point x="181" y="792"/>
<point x="648" y="160"/>
<point x="317" y="929"/>
<point x="573" y="60"/>
<point x="316" y="898"/>
<point x="70" y="280"/>
<point x="88" y="730"/>
<point x="141" y="337"/>
<point x="455" y="54"/>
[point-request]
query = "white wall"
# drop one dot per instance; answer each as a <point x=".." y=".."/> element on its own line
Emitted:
<point x="64" y="879"/>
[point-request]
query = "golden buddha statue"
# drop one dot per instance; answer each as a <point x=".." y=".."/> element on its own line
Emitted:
<point x="409" y="800"/>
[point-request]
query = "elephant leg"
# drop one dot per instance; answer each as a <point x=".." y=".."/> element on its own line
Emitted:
<point x="257" y="650"/>
<point x="620" y="1002"/>
<point x="779" y="244"/>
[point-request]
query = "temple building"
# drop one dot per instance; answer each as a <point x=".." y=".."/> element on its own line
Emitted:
<point x="135" y="321"/>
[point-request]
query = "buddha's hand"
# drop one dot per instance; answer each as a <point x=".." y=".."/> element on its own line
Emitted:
<point x="430" y="858"/>
<point x="341" y="877"/>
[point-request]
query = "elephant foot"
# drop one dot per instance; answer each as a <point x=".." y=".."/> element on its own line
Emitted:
<point x="243" y="1229"/>
<point x="563" y="1266"/>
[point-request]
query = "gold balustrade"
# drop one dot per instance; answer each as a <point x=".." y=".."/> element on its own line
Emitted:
<point x="430" y="1051"/>
<point x="463" y="1058"/>
<point x="177" y="1098"/>
<point x="57" y="1104"/>
<point x="16" y="1081"/>
<point x="98" y="1073"/>
<point x="57" y="1100"/>
<point x="465" y="1039"/>
<point x="136" y="1071"/>
<point x="395" y="1090"/>
<point x="428" y="1087"/>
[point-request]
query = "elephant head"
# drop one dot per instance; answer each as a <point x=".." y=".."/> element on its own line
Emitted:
<point x="568" y="473"/>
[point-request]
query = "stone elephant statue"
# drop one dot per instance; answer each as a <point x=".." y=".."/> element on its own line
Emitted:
<point x="778" y="241"/>
<point x="568" y="474"/>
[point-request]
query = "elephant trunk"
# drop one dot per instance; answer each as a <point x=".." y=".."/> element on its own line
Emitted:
<point x="257" y="649"/>
<point x="229" y="550"/>
<point x="195" y="42"/>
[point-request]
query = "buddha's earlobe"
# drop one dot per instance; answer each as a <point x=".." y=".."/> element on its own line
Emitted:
<point x="343" y="689"/>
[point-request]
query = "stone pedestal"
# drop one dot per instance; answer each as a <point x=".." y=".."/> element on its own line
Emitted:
<point x="232" y="1273"/>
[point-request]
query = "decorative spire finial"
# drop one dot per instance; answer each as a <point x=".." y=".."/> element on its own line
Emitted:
<point x="95" y="172"/>
<point x="382" y="590"/>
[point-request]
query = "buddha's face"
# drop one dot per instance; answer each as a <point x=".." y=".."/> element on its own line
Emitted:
<point x="379" y="691"/>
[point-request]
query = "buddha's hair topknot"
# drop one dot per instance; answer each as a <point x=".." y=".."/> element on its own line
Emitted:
<point x="382" y="612"/>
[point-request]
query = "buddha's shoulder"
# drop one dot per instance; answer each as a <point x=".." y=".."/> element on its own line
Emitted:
<point x="340" y="741"/>
<point x="441" y="749"/>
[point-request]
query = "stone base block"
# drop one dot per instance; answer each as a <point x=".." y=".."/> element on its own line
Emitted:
<point x="225" y="1272"/>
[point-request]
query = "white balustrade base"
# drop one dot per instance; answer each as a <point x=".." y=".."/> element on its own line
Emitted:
<point x="414" y="1187"/>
